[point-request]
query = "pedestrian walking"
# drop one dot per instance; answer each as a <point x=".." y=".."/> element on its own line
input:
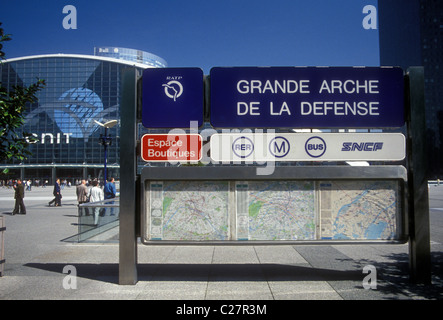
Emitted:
<point x="57" y="194"/>
<point x="82" y="196"/>
<point x="19" y="196"/>
<point x="96" y="194"/>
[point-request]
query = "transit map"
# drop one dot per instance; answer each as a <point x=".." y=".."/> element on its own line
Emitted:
<point x="189" y="210"/>
<point x="363" y="210"/>
<point x="273" y="210"/>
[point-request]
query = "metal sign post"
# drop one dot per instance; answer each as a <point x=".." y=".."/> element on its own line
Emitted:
<point x="419" y="230"/>
<point x="128" y="171"/>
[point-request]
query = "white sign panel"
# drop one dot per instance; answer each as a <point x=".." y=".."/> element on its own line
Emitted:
<point x="261" y="147"/>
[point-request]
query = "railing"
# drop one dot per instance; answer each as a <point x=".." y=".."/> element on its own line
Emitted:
<point x="95" y="218"/>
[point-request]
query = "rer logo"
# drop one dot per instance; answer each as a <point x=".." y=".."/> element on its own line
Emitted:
<point x="279" y="147"/>
<point x="315" y="147"/>
<point x="243" y="147"/>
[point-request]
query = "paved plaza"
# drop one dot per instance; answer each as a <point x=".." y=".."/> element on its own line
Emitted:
<point x="40" y="253"/>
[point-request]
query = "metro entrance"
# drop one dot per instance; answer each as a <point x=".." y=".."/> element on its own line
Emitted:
<point x="228" y="202"/>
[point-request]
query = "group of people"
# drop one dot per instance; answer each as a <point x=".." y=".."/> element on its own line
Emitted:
<point x="83" y="194"/>
<point x="28" y="184"/>
<point x="95" y="193"/>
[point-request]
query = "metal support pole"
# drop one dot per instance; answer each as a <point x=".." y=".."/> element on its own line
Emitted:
<point x="53" y="175"/>
<point x="419" y="229"/>
<point x="22" y="173"/>
<point x="105" y="144"/>
<point x="128" y="171"/>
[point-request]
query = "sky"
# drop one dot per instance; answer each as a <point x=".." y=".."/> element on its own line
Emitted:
<point x="200" y="33"/>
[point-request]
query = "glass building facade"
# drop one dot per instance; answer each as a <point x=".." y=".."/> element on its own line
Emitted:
<point x="411" y="34"/>
<point x="131" y="55"/>
<point x="79" y="89"/>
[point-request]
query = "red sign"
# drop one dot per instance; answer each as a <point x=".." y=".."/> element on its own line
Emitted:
<point x="171" y="147"/>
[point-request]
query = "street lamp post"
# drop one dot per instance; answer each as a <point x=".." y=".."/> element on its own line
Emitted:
<point x="106" y="141"/>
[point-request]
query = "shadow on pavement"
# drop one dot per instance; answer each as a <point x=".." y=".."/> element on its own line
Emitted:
<point x="108" y="272"/>
<point x="393" y="277"/>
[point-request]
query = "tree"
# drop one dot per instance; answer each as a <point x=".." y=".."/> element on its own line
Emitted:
<point x="14" y="142"/>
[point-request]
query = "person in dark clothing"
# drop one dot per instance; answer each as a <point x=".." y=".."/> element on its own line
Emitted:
<point x="109" y="189"/>
<point x="19" y="196"/>
<point x="110" y="193"/>
<point x="57" y="194"/>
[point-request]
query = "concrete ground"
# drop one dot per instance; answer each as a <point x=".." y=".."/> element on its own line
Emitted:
<point x="41" y="259"/>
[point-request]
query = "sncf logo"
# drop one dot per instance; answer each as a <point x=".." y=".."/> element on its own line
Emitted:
<point x="363" y="146"/>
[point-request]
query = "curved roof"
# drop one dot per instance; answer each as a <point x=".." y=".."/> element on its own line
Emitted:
<point x="129" y="54"/>
<point x="81" y="56"/>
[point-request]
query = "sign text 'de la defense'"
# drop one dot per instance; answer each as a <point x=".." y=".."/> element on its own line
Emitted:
<point x="311" y="97"/>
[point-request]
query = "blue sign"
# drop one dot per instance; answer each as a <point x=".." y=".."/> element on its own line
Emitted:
<point x="172" y="97"/>
<point x="311" y="97"/>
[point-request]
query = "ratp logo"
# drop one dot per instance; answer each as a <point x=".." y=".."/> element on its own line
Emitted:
<point x="173" y="88"/>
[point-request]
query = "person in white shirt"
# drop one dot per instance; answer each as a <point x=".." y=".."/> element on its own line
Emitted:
<point x="96" y="194"/>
